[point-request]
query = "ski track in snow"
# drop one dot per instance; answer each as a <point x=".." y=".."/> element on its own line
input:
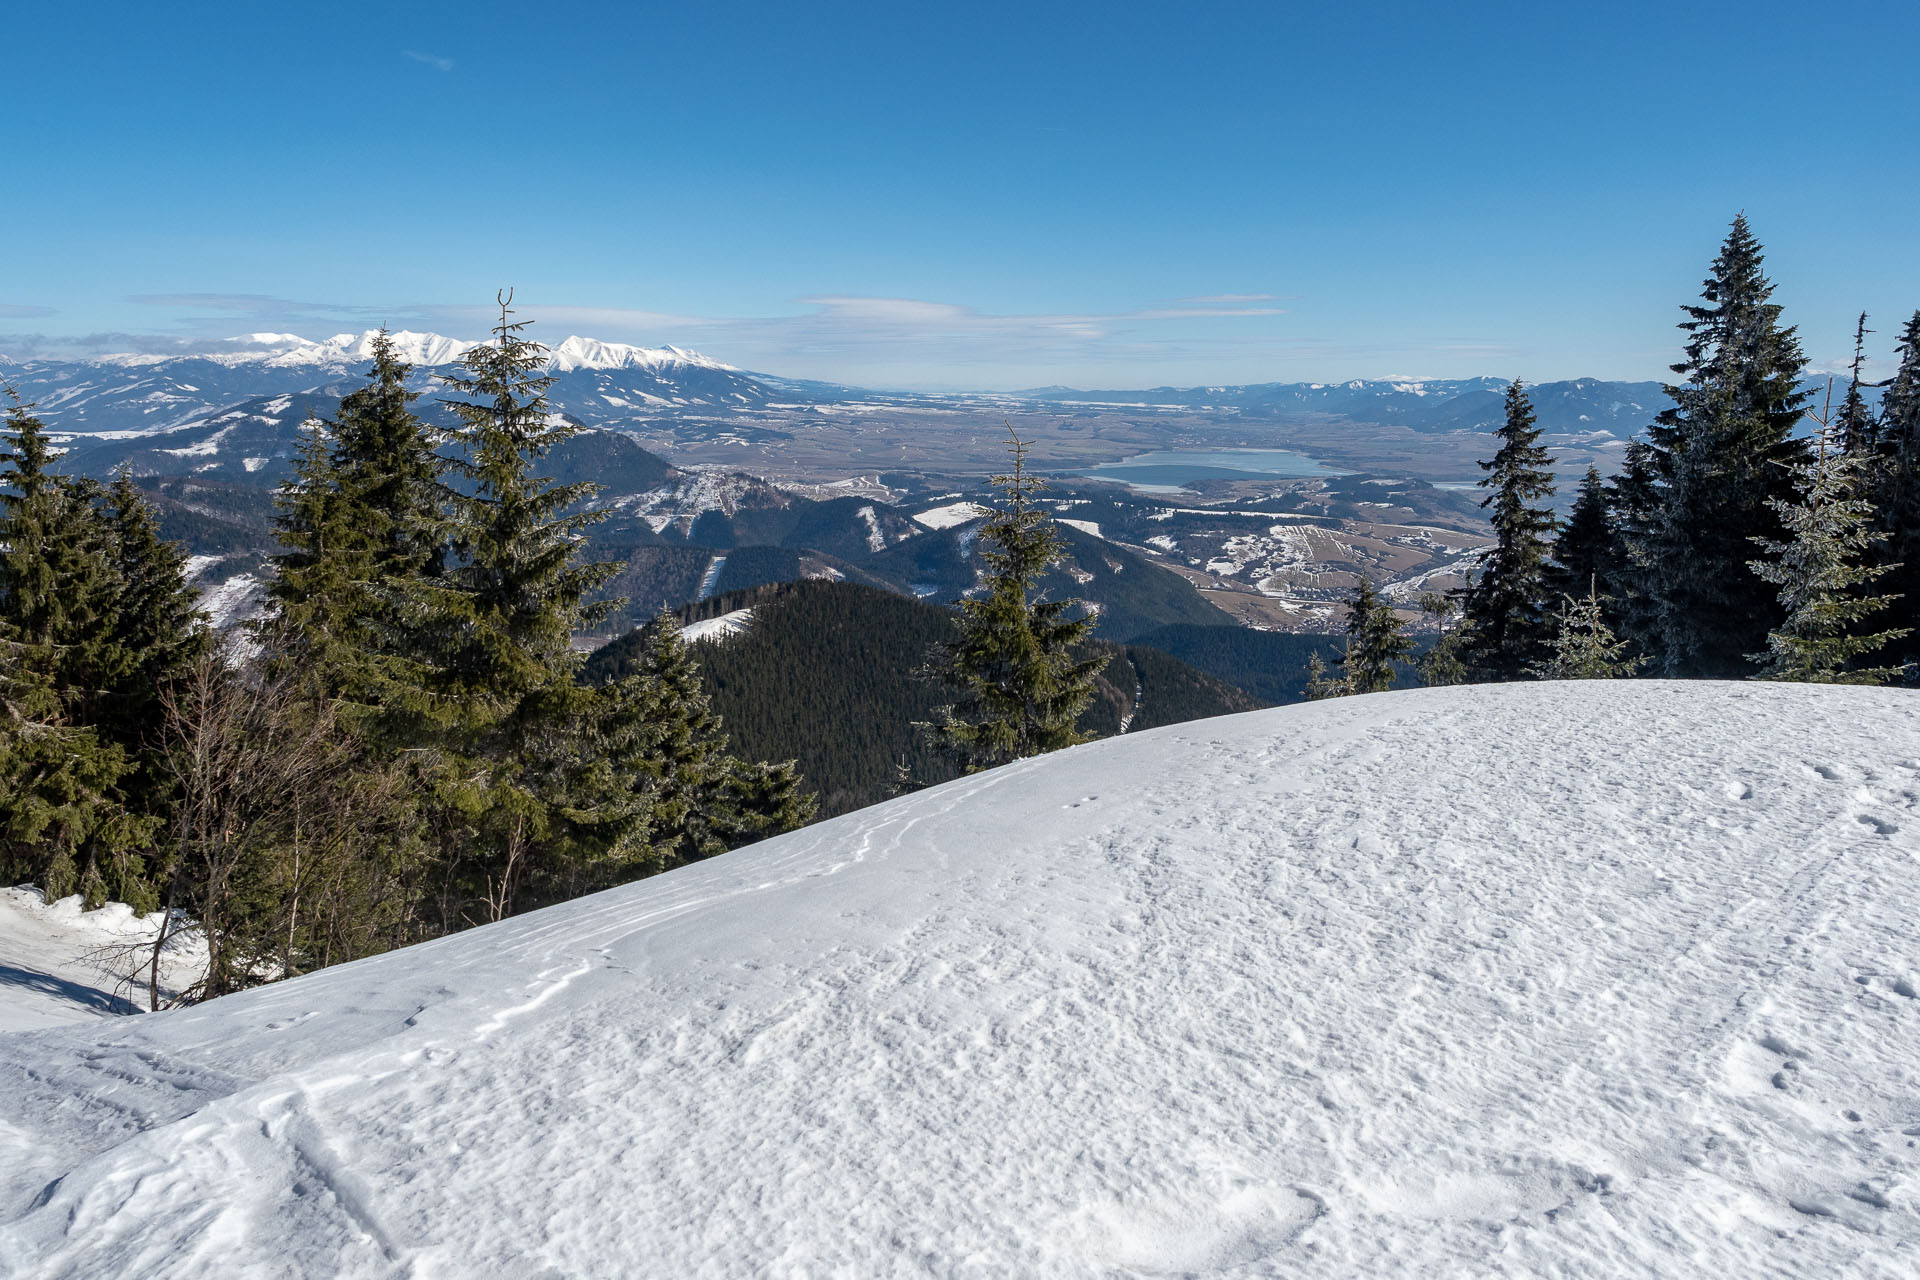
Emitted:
<point x="1560" y="979"/>
<point x="710" y="578"/>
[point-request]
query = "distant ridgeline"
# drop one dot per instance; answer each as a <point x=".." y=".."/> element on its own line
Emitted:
<point x="828" y="673"/>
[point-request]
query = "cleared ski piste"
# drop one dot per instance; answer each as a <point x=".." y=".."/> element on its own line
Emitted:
<point x="1599" y="979"/>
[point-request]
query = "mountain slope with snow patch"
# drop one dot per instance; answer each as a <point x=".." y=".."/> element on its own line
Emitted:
<point x="1587" y="979"/>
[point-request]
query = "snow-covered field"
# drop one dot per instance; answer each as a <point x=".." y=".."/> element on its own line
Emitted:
<point x="727" y="624"/>
<point x="61" y="964"/>
<point x="1606" y="979"/>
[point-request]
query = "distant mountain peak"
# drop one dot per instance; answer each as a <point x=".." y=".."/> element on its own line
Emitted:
<point x="290" y="350"/>
<point x="591" y="353"/>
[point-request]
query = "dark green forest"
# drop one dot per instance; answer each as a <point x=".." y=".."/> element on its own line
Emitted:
<point x="836" y="674"/>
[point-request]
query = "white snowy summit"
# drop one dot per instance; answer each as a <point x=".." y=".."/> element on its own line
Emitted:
<point x="1601" y="979"/>
<point x="287" y="350"/>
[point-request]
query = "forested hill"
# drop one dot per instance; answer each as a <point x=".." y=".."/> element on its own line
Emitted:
<point x="828" y="673"/>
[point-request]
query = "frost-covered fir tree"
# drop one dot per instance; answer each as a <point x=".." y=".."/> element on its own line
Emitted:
<point x="1723" y="459"/>
<point x="1819" y="571"/>
<point x="1505" y="625"/>
<point x="1584" y="647"/>
<point x="1892" y="482"/>
<point x="1376" y="641"/>
<point x="1020" y="686"/>
<point x="1853" y="425"/>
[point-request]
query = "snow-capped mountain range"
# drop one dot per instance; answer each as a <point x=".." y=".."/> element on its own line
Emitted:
<point x="347" y="351"/>
<point x="142" y="394"/>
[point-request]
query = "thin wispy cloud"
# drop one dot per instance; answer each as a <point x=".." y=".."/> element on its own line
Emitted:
<point x="23" y="311"/>
<point x="435" y="61"/>
<point x="1230" y="298"/>
<point x="1202" y="313"/>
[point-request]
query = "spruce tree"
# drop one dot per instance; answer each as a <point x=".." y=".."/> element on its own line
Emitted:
<point x="62" y="823"/>
<point x="364" y="529"/>
<point x="1442" y="664"/>
<point x="158" y="634"/>
<point x="665" y="753"/>
<point x="1323" y="684"/>
<point x="1584" y="647"/>
<point x="1723" y="458"/>
<point x="1892" y="483"/>
<point x="387" y="464"/>
<point x="1506" y="630"/>
<point x="62" y="820"/>
<point x="1854" y="427"/>
<point x="499" y="694"/>
<point x="1633" y="512"/>
<point x="1819" y="572"/>
<point x="1375" y="641"/>
<point x="1020" y="683"/>
<point x="321" y="574"/>
<point x="1583" y="554"/>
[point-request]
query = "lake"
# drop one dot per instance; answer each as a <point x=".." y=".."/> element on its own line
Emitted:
<point x="1171" y="471"/>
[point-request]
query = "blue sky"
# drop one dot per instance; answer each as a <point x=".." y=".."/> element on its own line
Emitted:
<point x="984" y="195"/>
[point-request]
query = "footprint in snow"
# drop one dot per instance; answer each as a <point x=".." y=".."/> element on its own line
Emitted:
<point x="1879" y="826"/>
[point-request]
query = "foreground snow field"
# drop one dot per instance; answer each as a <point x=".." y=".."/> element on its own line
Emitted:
<point x="61" y="964"/>
<point x="1568" y="979"/>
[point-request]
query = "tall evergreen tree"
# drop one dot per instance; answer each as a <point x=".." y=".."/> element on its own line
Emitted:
<point x="1506" y="629"/>
<point x="158" y="635"/>
<point x="62" y="820"/>
<point x="363" y="524"/>
<point x="1633" y="512"/>
<point x="321" y="574"/>
<point x="1819" y="572"/>
<point x="500" y="697"/>
<point x="1583" y="554"/>
<point x="1854" y="427"/>
<point x="387" y="463"/>
<point x="1442" y="664"/>
<point x="1723" y="457"/>
<point x="1892" y="483"/>
<point x="1021" y="685"/>
<point x="1375" y="641"/>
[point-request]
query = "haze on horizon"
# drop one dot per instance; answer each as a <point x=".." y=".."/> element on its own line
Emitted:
<point x="1001" y="198"/>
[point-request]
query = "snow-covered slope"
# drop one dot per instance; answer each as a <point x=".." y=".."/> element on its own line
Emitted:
<point x="61" y="964"/>
<point x="1570" y="979"/>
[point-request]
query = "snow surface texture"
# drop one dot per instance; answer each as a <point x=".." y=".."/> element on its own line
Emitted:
<point x="60" y="964"/>
<point x="951" y="515"/>
<point x="1595" y="979"/>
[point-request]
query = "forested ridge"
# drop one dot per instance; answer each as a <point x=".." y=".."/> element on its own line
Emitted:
<point x="834" y="675"/>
